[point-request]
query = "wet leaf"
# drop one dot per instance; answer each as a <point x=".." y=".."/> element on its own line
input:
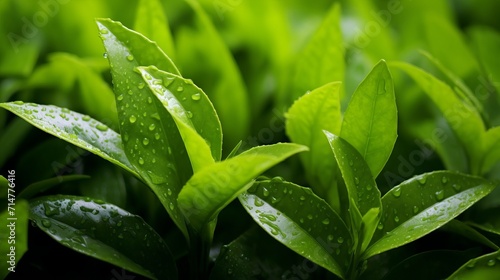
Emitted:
<point x="422" y="204"/>
<point x="254" y="255"/>
<point x="361" y="186"/>
<point x="105" y="232"/>
<point x="75" y="128"/>
<point x="302" y="221"/>
<point x="193" y="113"/>
<point x="214" y="187"/>
<point x="371" y="120"/>
<point x="150" y="137"/>
<point x="483" y="267"/>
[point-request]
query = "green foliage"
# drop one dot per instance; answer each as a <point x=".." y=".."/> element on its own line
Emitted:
<point x="168" y="152"/>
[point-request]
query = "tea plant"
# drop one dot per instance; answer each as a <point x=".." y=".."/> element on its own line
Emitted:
<point x="164" y="133"/>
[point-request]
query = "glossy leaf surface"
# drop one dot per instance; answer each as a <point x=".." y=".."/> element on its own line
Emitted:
<point x="192" y="111"/>
<point x="75" y="128"/>
<point x="105" y="232"/>
<point x="484" y="267"/>
<point x="150" y="136"/>
<point x="214" y="187"/>
<point x="359" y="181"/>
<point x="442" y="195"/>
<point x="303" y="222"/>
<point x="370" y="120"/>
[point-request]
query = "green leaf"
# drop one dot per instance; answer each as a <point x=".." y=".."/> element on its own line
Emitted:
<point x="464" y="120"/>
<point x="483" y="267"/>
<point x="461" y="89"/>
<point x="305" y="121"/>
<point x="368" y="227"/>
<point x="95" y="94"/>
<point x="4" y="185"/>
<point x="75" y="128"/>
<point x="105" y="232"/>
<point x="422" y="204"/>
<point x="219" y="76"/>
<point x="14" y="235"/>
<point x="133" y="46"/>
<point x="487" y="220"/>
<point x="192" y="111"/>
<point x="361" y="186"/>
<point x="436" y="264"/>
<point x="150" y="137"/>
<point x="446" y="43"/>
<point x="461" y="228"/>
<point x="321" y="61"/>
<point x="486" y="41"/>
<point x="11" y="137"/>
<point x="371" y="119"/>
<point x="254" y="255"/>
<point x="303" y="222"/>
<point x="42" y="186"/>
<point x="151" y="21"/>
<point x="491" y="149"/>
<point x="214" y="187"/>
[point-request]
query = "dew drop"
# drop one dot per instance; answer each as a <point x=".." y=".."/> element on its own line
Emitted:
<point x="130" y="92"/>
<point x="491" y="262"/>
<point x="456" y="187"/>
<point x="180" y="88"/>
<point x="171" y="206"/>
<point x="439" y="195"/>
<point x="415" y="209"/>
<point x="258" y="202"/>
<point x="396" y="192"/>
<point x="196" y="96"/>
<point x="105" y="55"/>
<point x="150" y="100"/>
<point x="86" y="118"/>
<point x="46" y="223"/>
<point x="101" y="127"/>
<point x="132" y="119"/>
<point x="152" y="127"/>
<point x="120" y="97"/>
<point x="396" y="219"/>
<point x="310" y="217"/>
<point x="157" y="136"/>
<point x="130" y="57"/>
<point x="444" y="180"/>
<point x="265" y="192"/>
<point x="189" y="114"/>
<point x="141" y="85"/>
<point x="356" y="180"/>
<point x="340" y="240"/>
<point x="351" y="163"/>
<point x="302" y="198"/>
<point x="104" y="31"/>
<point x="380" y="226"/>
<point x="145" y="141"/>
<point x="330" y="237"/>
<point x="422" y="180"/>
<point x="369" y="187"/>
<point x="326" y="221"/>
<point x="141" y="161"/>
